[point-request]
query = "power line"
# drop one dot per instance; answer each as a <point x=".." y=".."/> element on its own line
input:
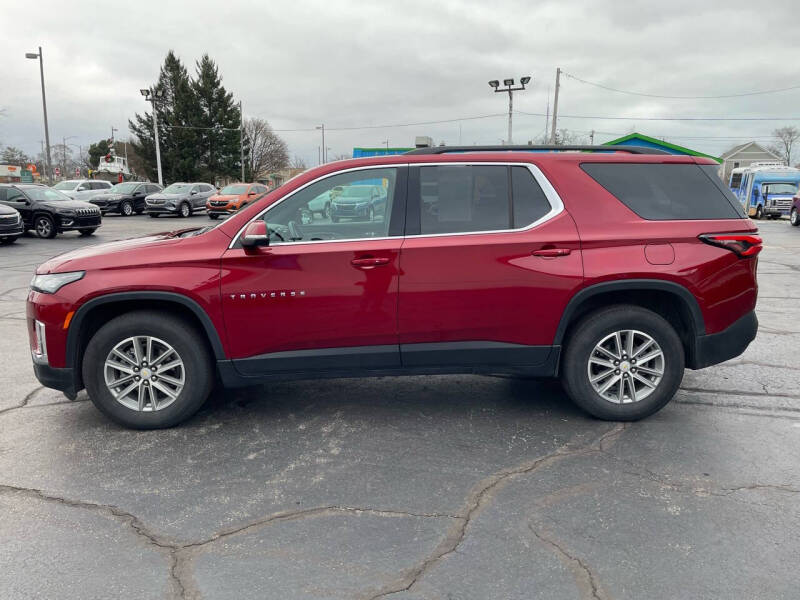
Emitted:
<point x="631" y="93"/>
<point x="607" y="118"/>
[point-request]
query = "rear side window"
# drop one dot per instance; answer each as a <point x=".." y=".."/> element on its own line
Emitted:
<point x="664" y="192"/>
<point x="530" y="203"/>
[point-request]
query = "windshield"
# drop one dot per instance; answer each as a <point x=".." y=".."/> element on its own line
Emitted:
<point x="124" y="188"/>
<point x="780" y="188"/>
<point x="178" y="188"/>
<point x="66" y="185"/>
<point x="233" y="190"/>
<point x="41" y="194"/>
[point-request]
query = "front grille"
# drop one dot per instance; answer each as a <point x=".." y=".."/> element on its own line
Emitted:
<point x="9" y="220"/>
<point x="155" y="201"/>
<point x="87" y="212"/>
<point x="783" y="203"/>
<point x="219" y="203"/>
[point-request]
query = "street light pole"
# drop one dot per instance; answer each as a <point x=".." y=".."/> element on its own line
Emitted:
<point x="324" y="153"/>
<point x="509" y="87"/>
<point x="44" y="108"/>
<point x="241" y="137"/>
<point x="151" y="96"/>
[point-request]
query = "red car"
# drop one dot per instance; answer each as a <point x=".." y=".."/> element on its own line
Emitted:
<point x="613" y="268"/>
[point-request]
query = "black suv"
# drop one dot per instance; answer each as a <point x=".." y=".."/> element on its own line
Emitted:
<point x="125" y="198"/>
<point x="48" y="211"/>
<point x="10" y="225"/>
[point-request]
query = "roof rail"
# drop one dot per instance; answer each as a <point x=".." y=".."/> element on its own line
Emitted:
<point x="533" y="148"/>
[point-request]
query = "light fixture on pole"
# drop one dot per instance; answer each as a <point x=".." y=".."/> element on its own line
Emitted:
<point x="151" y="96"/>
<point x="48" y="166"/>
<point x="509" y="87"/>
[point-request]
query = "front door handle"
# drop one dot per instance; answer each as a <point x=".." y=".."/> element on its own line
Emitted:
<point x="552" y="252"/>
<point x="368" y="263"/>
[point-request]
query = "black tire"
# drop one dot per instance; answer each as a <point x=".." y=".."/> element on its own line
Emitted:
<point x="759" y="212"/>
<point x="126" y="208"/>
<point x="326" y="212"/>
<point x="153" y="215"/>
<point x="184" y="210"/>
<point x="334" y="219"/>
<point x="590" y="331"/>
<point x="88" y="232"/>
<point x="8" y="241"/>
<point x="44" y="227"/>
<point x="213" y="216"/>
<point x="794" y="217"/>
<point x="187" y="342"/>
<point x="371" y="214"/>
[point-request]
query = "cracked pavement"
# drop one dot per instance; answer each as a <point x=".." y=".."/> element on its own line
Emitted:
<point x="416" y="488"/>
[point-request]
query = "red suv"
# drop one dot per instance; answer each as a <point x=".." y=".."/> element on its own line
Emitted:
<point x="613" y="268"/>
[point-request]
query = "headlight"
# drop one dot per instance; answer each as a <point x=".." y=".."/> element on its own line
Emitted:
<point x="52" y="282"/>
<point x="65" y="211"/>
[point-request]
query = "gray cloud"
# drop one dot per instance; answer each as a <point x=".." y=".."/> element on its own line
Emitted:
<point x="351" y="64"/>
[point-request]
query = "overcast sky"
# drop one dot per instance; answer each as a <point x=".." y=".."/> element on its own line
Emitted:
<point x="357" y="64"/>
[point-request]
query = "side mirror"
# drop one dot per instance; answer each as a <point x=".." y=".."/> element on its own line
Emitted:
<point x="193" y="193"/>
<point x="255" y="235"/>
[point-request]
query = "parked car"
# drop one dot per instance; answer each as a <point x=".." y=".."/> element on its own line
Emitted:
<point x="125" y="198"/>
<point x="180" y="199"/>
<point x="794" y="213"/>
<point x="10" y="225"/>
<point x="362" y="202"/>
<point x="613" y="268"/>
<point x="49" y="212"/>
<point x="82" y="189"/>
<point x="232" y="198"/>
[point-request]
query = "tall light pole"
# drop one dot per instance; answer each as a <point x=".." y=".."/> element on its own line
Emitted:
<point x="555" y="106"/>
<point x="509" y="87"/>
<point x="64" y="153"/>
<point x="241" y="138"/>
<point x="44" y="108"/>
<point x="324" y="153"/>
<point x="150" y="96"/>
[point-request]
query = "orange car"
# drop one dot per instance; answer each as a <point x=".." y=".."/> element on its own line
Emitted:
<point x="233" y="197"/>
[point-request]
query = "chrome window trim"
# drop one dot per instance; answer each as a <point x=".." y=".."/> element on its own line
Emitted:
<point x="556" y="204"/>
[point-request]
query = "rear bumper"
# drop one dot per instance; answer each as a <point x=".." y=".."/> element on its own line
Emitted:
<point x="727" y="344"/>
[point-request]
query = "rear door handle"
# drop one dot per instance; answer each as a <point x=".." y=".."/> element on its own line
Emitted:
<point x="368" y="263"/>
<point x="552" y="252"/>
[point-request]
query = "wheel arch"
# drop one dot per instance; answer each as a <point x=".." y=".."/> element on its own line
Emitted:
<point x="671" y="300"/>
<point x="95" y="313"/>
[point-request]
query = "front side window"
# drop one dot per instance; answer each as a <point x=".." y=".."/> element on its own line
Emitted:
<point x="353" y="205"/>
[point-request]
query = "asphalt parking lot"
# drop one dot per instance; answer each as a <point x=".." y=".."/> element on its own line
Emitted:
<point x="456" y="487"/>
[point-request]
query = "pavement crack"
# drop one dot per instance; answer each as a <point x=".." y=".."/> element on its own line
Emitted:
<point x="480" y="496"/>
<point x="25" y="400"/>
<point x="585" y="578"/>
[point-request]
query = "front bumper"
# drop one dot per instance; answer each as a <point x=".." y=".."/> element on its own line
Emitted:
<point x="161" y="209"/>
<point x="68" y="223"/>
<point x="718" y="347"/>
<point x="11" y="231"/>
<point x="353" y="211"/>
<point x="62" y="380"/>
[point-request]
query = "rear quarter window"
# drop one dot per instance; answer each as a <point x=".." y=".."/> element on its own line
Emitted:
<point x="666" y="192"/>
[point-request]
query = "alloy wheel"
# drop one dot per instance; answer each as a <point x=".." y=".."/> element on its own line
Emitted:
<point x="44" y="227"/>
<point x="127" y="209"/>
<point x="626" y="366"/>
<point x="144" y="373"/>
<point x="184" y="210"/>
<point x="794" y="218"/>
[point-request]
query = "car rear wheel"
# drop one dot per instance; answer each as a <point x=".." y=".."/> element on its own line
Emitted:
<point x="326" y="212"/>
<point x="145" y="370"/>
<point x="44" y="226"/>
<point x="213" y="216"/>
<point x="185" y="210"/>
<point x="153" y="215"/>
<point x="622" y="363"/>
<point x="794" y="218"/>
<point x="8" y="240"/>
<point x="759" y="212"/>
<point x="126" y="209"/>
<point x="88" y="232"/>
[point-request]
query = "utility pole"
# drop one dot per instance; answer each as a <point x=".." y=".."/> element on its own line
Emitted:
<point x="324" y="149"/>
<point x="547" y="116"/>
<point x="591" y="138"/>
<point x="150" y="96"/>
<point x="555" y="106"/>
<point x="113" y="129"/>
<point x="241" y="137"/>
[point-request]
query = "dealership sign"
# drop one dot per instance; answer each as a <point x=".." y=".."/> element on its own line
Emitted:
<point x="10" y="171"/>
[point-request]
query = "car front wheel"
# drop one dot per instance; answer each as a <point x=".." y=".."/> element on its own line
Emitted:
<point x="622" y="363"/>
<point x="794" y="218"/>
<point x="145" y="370"/>
<point x="126" y="209"/>
<point x="45" y="228"/>
<point x="185" y="210"/>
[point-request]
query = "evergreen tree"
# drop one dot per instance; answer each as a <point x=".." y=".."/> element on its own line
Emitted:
<point x="217" y="115"/>
<point x="96" y="152"/>
<point x="176" y="112"/>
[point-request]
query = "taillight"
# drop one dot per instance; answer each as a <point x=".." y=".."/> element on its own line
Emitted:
<point x="741" y="244"/>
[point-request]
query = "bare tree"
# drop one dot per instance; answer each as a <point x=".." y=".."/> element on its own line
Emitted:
<point x="14" y="156"/>
<point x="786" y="138"/>
<point x="341" y="157"/>
<point x="266" y="150"/>
<point x="298" y="162"/>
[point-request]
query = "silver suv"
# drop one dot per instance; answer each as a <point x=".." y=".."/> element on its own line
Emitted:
<point x="83" y="189"/>
<point x="180" y="199"/>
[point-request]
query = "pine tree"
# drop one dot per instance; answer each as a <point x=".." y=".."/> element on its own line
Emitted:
<point x="218" y="116"/>
<point x="175" y="112"/>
